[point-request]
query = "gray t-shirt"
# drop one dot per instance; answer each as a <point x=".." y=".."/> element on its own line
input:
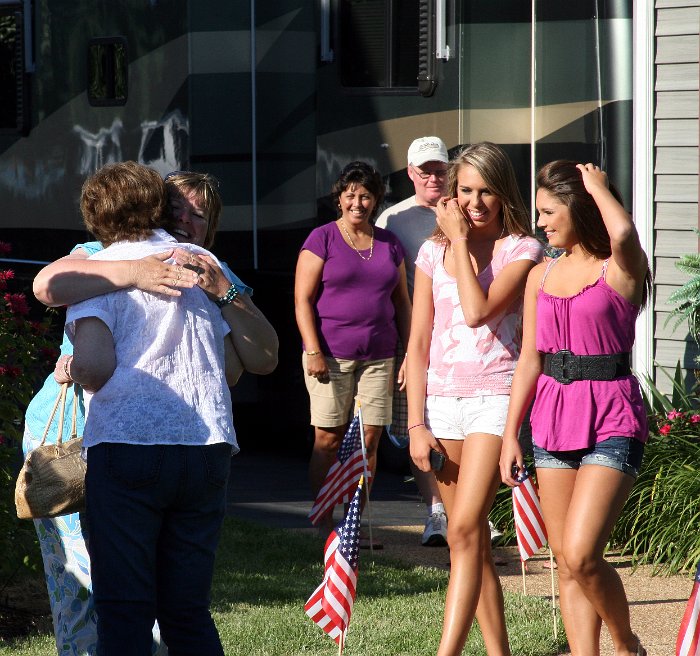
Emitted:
<point x="412" y="224"/>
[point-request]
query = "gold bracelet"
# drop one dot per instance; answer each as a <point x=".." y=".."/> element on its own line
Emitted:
<point x="313" y="353"/>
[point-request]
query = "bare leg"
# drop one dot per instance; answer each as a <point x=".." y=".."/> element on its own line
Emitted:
<point x="596" y="500"/>
<point x="490" y="612"/>
<point x="467" y="490"/>
<point x="326" y="444"/>
<point x="427" y="486"/>
<point x="581" y="620"/>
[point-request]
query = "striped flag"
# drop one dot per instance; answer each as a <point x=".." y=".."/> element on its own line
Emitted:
<point x="331" y="603"/>
<point x="688" y="642"/>
<point x="343" y="475"/>
<point x="529" y="524"/>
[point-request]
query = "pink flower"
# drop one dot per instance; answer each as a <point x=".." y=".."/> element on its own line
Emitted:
<point x="665" y="429"/>
<point x="10" y="371"/>
<point x="695" y="419"/>
<point x="4" y="277"/>
<point x="674" y="414"/>
<point x="17" y="303"/>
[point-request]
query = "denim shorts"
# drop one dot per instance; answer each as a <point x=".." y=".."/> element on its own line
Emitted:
<point x="621" y="453"/>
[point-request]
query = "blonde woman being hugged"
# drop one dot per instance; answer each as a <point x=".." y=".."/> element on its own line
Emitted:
<point x="465" y="339"/>
<point x="588" y="421"/>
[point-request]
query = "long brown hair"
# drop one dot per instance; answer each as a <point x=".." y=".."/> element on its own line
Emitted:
<point x="496" y="169"/>
<point x="564" y="182"/>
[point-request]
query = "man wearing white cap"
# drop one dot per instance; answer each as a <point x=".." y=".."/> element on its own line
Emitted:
<point x="413" y="221"/>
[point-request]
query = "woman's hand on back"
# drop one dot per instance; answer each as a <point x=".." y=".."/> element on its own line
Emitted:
<point x="210" y="278"/>
<point x="153" y="274"/>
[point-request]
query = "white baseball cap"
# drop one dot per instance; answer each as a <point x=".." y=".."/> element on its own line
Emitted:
<point x="427" y="149"/>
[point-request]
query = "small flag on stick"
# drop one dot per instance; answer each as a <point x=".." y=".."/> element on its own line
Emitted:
<point x="529" y="523"/>
<point x="688" y="642"/>
<point x="343" y="475"/>
<point x="331" y="603"/>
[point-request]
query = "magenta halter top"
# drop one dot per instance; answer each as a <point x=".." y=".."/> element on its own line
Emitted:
<point x="596" y="321"/>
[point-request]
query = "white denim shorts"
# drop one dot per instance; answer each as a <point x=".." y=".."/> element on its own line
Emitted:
<point x="456" y="417"/>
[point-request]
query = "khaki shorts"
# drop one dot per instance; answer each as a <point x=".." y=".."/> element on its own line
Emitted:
<point x="368" y="381"/>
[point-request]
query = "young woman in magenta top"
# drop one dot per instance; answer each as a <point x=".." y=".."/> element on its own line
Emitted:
<point x="465" y="339"/>
<point x="588" y="420"/>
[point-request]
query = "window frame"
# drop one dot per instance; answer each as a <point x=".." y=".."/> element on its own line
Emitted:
<point x="424" y="41"/>
<point x="110" y="101"/>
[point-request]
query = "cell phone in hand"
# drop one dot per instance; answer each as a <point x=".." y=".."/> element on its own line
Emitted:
<point x="437" y="460"/>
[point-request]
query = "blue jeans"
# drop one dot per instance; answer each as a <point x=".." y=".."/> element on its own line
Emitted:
<point x="155" y="516"/>
<point x="621" y="453"/>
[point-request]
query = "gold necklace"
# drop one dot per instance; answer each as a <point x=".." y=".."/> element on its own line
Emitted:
<point x="352" y="243"/>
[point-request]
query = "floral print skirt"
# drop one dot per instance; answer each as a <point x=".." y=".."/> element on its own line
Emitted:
<point x="67" y="571"/>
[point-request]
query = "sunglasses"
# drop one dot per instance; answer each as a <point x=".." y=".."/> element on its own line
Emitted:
<point x="424" y="175"/>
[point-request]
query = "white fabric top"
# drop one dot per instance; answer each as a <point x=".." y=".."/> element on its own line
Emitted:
<point x="169" y="385"/>
<point x="464" y="361"/>
<point x="412" y="224"/>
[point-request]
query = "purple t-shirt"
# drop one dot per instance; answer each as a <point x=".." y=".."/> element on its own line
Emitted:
<point x="354" y="312"/>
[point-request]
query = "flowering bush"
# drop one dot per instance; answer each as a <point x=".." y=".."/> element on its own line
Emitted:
<point x="26" y="356"/>
<point x="678" y="421"/>
<point x="657" y="525"/>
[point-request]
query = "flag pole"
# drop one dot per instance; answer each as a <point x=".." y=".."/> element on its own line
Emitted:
<point x="522" y="567"/>
<point x="366" y="471"/>
<point x="341" y="643"/>
<point x="554" y="603"/>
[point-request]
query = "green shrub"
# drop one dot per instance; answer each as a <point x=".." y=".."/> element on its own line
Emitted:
<point x="658" y="525"/>
<point x="26" y="355"/>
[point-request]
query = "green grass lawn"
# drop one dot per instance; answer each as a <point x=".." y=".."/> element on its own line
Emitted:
<point x="264" y="576"/>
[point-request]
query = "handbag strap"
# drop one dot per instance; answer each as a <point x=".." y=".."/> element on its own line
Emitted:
<point x="74" y="414"/>
<point x="61" y="398"/>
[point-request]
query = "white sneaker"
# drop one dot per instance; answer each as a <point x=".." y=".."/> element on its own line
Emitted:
<point x="435" y="533"/>
<point x="496" y="535"/>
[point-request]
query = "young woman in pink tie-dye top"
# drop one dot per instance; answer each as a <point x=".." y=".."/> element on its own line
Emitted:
<point x="465" y="339"/>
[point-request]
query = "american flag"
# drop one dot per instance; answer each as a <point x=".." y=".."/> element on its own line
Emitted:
<point x="688" y="642"/>
<point x="529" y="523"/>
<point x="330" y="605"/>
<point x="343" y="475"/>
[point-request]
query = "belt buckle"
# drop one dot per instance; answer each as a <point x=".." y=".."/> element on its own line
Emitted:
<point x="560" y="365"/>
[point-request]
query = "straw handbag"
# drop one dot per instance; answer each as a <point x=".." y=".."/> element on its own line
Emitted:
<point x="52" y="479"/>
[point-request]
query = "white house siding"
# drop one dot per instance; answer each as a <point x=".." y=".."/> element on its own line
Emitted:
<point x="676" y="134"/>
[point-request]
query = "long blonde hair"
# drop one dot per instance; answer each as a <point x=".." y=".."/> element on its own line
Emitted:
<point x="495" y="167"/>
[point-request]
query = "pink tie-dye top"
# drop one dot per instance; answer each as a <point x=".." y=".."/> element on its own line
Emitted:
<point x="466" y="361"/>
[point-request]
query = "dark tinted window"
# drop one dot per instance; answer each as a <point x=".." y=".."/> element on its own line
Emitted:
<point x="11" y="74"/>
<point x="108" y="67"/>
<point x="378" y="43"/>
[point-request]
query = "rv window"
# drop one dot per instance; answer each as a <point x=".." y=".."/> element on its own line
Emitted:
<point x="379" y="43"/>
<point x="108" y="67"/>
<point x="11" y="69"/>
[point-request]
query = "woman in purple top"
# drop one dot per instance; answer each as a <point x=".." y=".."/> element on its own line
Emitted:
<point x="588" y="421"/>
<point x="351" y="305"/>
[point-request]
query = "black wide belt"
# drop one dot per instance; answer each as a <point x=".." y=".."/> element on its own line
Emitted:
<point x="566" y="367"/>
